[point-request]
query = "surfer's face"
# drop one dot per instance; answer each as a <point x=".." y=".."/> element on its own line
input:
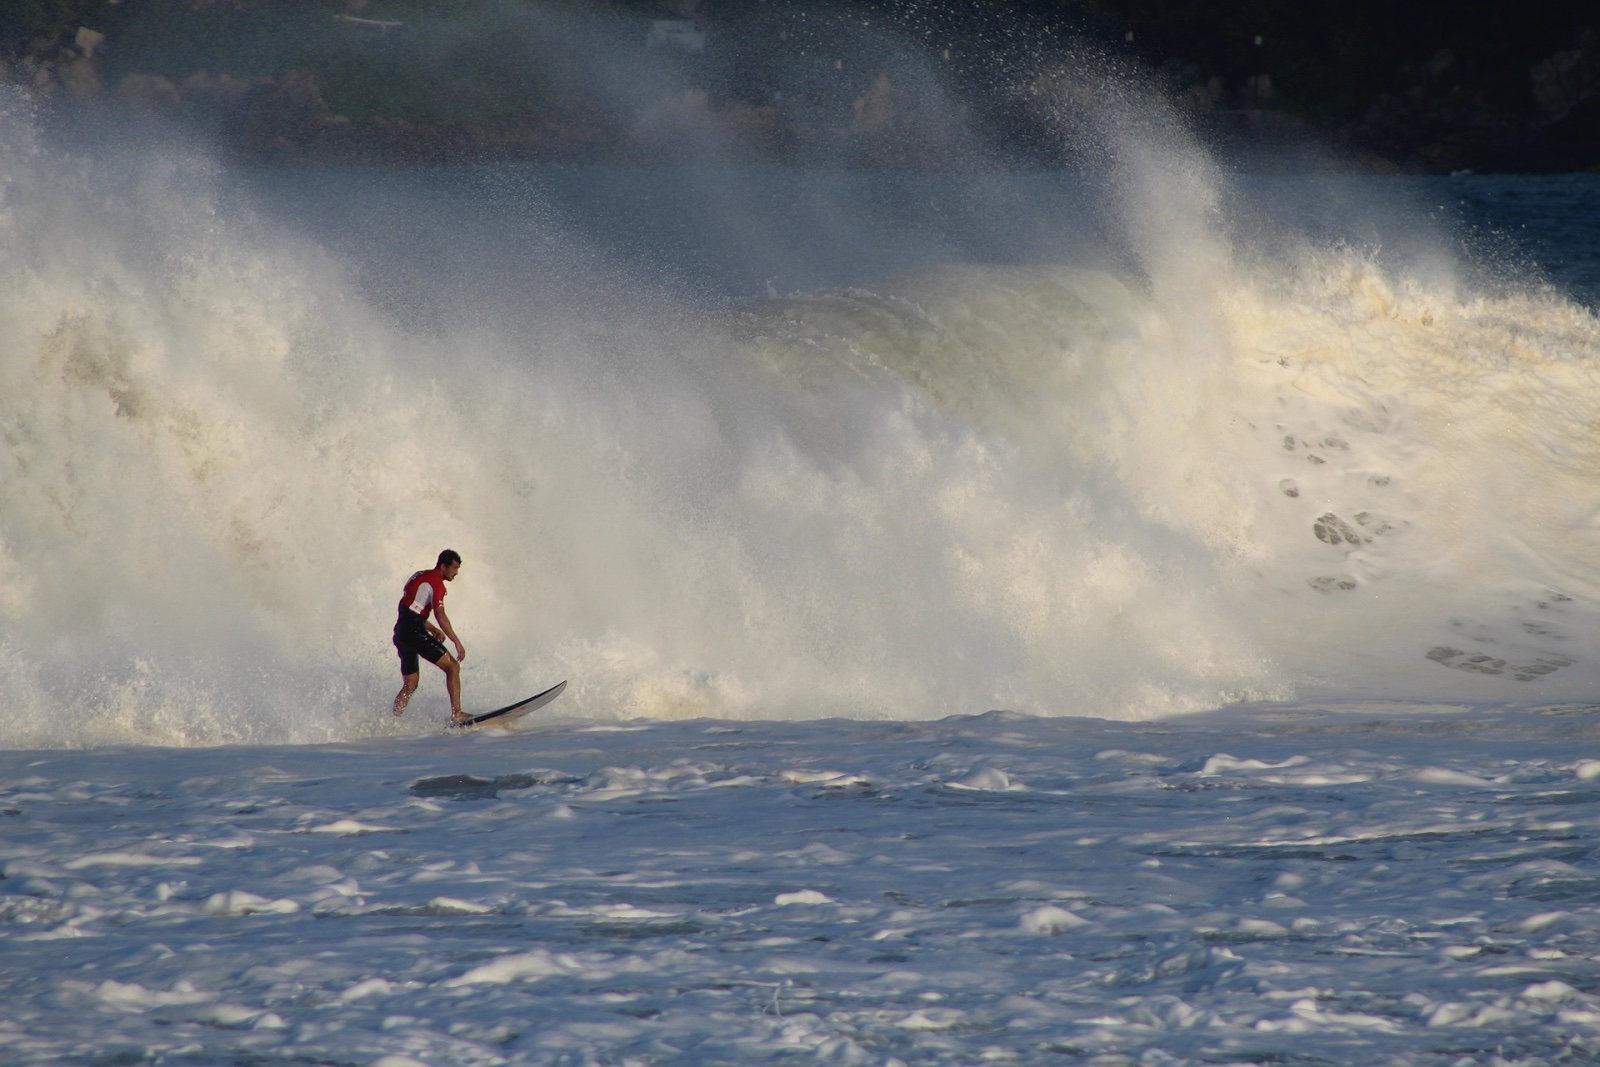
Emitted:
<point x="449" y="571"/>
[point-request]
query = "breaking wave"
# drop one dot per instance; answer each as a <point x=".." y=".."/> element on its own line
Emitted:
<point x="1201" y="470"/>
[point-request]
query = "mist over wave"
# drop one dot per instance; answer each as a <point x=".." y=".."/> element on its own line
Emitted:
<point x="1146" y="454"/>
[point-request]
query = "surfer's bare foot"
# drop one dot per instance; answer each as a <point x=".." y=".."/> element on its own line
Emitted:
<point x="458" y="716"/>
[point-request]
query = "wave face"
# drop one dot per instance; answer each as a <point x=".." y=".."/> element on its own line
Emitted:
<point x="1198" y="461"/>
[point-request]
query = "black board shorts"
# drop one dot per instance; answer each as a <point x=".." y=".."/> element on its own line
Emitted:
<point x="413" y="641"/>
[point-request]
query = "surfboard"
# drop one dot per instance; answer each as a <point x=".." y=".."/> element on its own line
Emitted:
<point x="503" y="715"/>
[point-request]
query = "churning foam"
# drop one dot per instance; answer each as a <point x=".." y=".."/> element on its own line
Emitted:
<point x="1125" y="493"/>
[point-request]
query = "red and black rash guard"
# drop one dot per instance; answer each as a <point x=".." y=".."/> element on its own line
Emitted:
<point x="424" y="592"/>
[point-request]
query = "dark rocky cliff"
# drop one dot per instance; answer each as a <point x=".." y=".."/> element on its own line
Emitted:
<point x="1426" y="86"/>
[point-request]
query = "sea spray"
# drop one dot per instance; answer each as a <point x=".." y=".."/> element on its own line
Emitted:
<point x="1202" y="471"/>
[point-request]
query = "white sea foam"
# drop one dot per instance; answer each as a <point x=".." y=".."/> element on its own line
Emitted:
<point x="1146" y="898"/>
<point x="1226" y="471"/>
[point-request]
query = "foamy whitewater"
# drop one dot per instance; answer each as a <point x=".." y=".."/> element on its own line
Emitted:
<point x="1141" y="616"/>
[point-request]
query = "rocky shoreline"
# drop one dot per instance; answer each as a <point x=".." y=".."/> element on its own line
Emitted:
<point x="1434" y="127"/>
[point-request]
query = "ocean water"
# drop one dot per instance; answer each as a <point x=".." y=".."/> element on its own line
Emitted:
<point x="1135" y="616"/>
<point x="1273" y="885"/>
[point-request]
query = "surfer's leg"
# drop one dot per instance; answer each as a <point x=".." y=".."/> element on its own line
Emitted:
<point x="452" y="681"/>
<point x="409" y="670"/>
<point x="407" y="687"/>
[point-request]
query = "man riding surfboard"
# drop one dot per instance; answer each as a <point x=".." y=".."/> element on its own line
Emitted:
<point x="415" y="638"/>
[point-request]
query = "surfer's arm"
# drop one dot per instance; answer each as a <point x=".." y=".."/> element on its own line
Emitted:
<point x="450" y="632"/>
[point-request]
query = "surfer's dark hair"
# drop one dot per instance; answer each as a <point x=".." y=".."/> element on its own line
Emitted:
<point x="447" y="557"/>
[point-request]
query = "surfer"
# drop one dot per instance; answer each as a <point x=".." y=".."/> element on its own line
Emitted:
<point x="416" y="638"/>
